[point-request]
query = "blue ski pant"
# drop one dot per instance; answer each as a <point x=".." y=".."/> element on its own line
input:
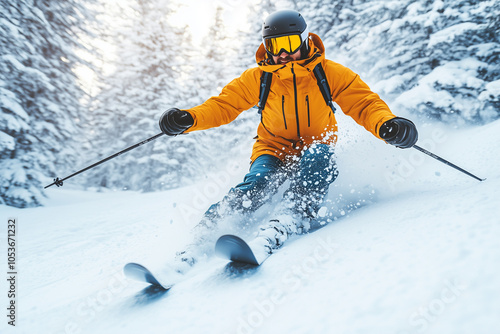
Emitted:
<point x="310" y="178"/>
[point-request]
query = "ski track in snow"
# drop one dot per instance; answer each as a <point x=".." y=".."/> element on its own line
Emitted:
<point x="419" y="255"/>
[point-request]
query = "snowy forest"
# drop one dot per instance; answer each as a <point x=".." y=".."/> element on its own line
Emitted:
<point x="81" y="80"/>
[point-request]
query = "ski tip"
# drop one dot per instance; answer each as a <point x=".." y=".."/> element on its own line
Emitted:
<point x="234" y="248"/>
<point x="140" y="273"/>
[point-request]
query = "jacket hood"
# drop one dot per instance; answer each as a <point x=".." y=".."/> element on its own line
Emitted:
<point x="316" y="54"/>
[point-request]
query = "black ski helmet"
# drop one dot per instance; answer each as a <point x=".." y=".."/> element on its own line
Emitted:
<point x="285" y="22"/>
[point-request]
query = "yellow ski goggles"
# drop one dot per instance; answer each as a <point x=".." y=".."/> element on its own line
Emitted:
<point x="289" y="44"/>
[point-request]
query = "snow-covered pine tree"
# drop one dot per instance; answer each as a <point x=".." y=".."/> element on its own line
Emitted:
<point x="251" y="35"/>
<point x="146" y="81"/>
<point x="459" y="79"/>
<point x="214" y="60"/>
<point x="217" y="63"/>
<point x="40" y="122"/>
<point x="318" y="14"/>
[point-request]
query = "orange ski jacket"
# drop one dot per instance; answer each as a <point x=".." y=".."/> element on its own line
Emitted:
<point x="295" y="115"/>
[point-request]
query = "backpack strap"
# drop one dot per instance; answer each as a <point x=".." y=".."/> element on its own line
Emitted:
<point x="323" y="85"/>
<point x="265" y="87"/>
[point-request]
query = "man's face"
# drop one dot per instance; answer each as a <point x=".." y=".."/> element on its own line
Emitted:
<point x="284" y="57"/>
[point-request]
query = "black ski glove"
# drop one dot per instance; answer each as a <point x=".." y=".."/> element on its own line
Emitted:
<point x="175" y="121"/>
<point x="399" y="132"/>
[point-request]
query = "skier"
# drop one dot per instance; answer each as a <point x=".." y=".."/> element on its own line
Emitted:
<point x="297" y="133"/>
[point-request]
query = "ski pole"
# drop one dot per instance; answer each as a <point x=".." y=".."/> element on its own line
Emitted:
<point x="59" y="182"/>
<point x="446" y="162"/>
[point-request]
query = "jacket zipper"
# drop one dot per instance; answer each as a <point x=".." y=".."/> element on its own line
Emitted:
<point x="296" y="102"/>
<point x="283" y="109"/>
<point x="308" y="114"/>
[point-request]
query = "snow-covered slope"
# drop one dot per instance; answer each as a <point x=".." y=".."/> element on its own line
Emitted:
<point x="412" y="247"/>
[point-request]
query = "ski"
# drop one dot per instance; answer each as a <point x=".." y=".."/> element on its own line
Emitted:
<point x="234" y="248"/>
<point x="140" y="273"/>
